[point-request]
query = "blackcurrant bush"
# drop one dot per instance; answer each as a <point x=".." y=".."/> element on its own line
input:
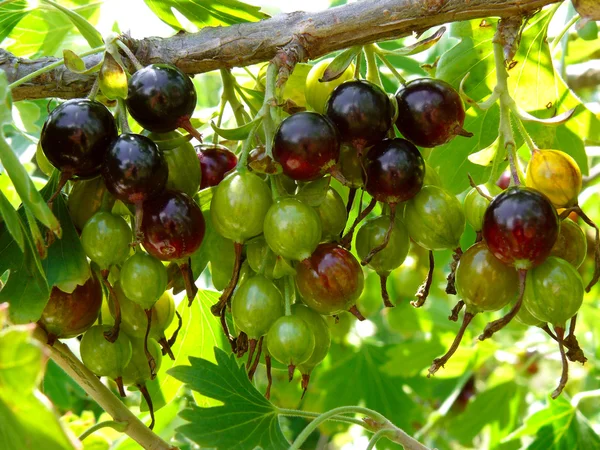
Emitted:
<point x="430" y="112"/>
<point x="555" y="174"/>
<point x="520" y="227"/>
<point x="361" y="111"/>
<point x="306" y="145"/>
<point x="215" y="162"/>
<point x="135" y="169"/>
<point x="67" y="315"/>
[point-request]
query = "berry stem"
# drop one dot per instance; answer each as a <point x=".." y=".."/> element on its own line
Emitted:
<point x="497" y="325"/>
<point x="188" y="280"/>
<point x="217" y="308"/>
<point x="377" y="436"/>
<point x="65" y="176"/>
<point x="112" y="334"/>
<point x="440" y="362"/>
<point x="173" y="338"/>
<point x="304" y="383"/>
<point x="242" y="164"/>
<point x="372" y="67"/>
<point x="129" y="54"/>
<point x="94" y="91"/>
<point x="478" y="189"/>
<point x="166" y="348"/>
<point x="380" y="54"/>
<point x="144" y="391"/>
<point x="525" y="135"/>
<point x="122" y="110"/>
<point x="256" y="359"/>
<point x="384" y="292"/>
<point x="229" y="96"/>
<point x="233" y="342"/>
<point x="251" y="347"/>
<point x="346" y="241"/>
<point x="350" y="203"/>
<point x="450" y="286"/>
<point x="386" y="238"/>
<point x="149" y="357"/>
<point x="457" y="308"/>
<point x="115" y="425"/>
<point x="356" y="313"/>
<point x="269" y="376"/>
<point x="592" y="224"/>
<point x="290" y="294"/>
<point x="119" y="383"/>
<point x="423" y="291"/>
<point x="358" y="65"/>
<point x="560" y="334"/>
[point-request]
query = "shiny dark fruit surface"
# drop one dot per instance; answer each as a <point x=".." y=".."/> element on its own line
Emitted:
<point x="306" y="145"/>
<point x="520" y="227"/>
<point x="69" y="315"/>
<point x="77" y="135"/>
<point x="394" y="171"/>
<point x="430" y="112"/>
<point x="361" y="111"/>
<point x="215" y="162"/>
<point x="173" y="226"/>
<point x="161" y="97"/>
<point x="135" y="169"/>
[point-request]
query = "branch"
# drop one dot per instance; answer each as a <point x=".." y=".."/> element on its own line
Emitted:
<point x="67" y="361"/>
<point x="588" y="79"/>
<point x="301" y="35"/>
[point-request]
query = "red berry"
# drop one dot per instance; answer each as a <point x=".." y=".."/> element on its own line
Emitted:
<point x="215" y="162"/>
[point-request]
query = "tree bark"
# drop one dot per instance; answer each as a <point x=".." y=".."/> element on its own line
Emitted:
<point x="293" y="37"/>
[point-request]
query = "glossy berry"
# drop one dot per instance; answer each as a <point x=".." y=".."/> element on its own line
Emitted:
<point x="137" y="371"/>
<point x="161" y="97"/>
<point x="524" y="317"/>
<point x="571" y="243"/>
<point x="333" y="215"/>
<point x="317" y="92"/>
<point x="105" y="239"/>
<point x="104" y="358"/>
<point x="430" y="112"/>
<point x="475" y="204"/>
<point x="292" y="229"/>
<point x="331" y="280"/>
<point x="260" y="257"/>
<point x="239" y="206"/>
<point x="483" y="282"/>
<point x="85" y="200"/>
<point x="69" y="315"/>
<point x="434" y="219"/>
<point x="77" y="135"/>
<point x="554" y="291"/>
<point x="135" y="169"/>
<point x="371" y="234"/>
<point x="361" y="111"/>
<point x="173" y="226"/>
<point x="320" y="330"/>
<point x="256" y="304"/>
<point x="143" y="279"/>
<point x="394" y="171"/>
<point x="290" y="340"/>
<point x="555" y="174"/>
<point x="215" y="162"/>
<point x="520" y="227"/>
<point x="503" y="181"/>
<point x="306" y="145"/>
<point x="184" y="167"/>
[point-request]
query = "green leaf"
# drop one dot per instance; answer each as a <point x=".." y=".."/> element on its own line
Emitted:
<point x="87" y="30"/>
<point x="236" y="134"/>
<point x="10" y="15"/>
<point x="420" y="46"/>
<point x="75" y="64"/>
<point x="340" y="63"/>
<point x="246" y="420"/>
<point x="200" y="334"/>
<point x="112" y="78"/>
<point x="451" y="160"/>
<point x="22" y="409"/>
<point x="205" y="13"/>
<point x="12" y="221"/>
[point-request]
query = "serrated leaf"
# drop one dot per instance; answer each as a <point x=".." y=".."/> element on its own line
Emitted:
<point x="87" y="30"/>
<point x="246" y="420"/>
<point x="313" y="193"/>
<point x="112" y="78"/>
<point x="420" y="46"/>
<point x="12" y="221"/>
<point x="203" y="13"/>
<point x="340" y="63"/>
<point x="76" y="65"/>
<point x="10" y="15"/>
<point x="236" y="134"/>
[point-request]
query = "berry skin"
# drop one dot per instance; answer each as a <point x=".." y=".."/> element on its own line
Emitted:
<point x="104" y="358"/>
<point x="239" y="206"/>
<point x="137" y="370"/>
<point x="85" y="200"/>
<point x="306" y="145"/>
<point x="260" y="257"/>
<point x="161" y="97"/>
<point x="76" y="136"/>
<point x="105" y="239"/>
<point x="475" y="204"/>
<point x="524" y="317"/>
<point x="292" y="229"/>
<point x="256" y="305"/>
<point x="135" y="169"/>
<point x="520" y="227"/>
<point x="215" y="162"/>
<point x="372" y="234"/>
<point x="143" y="279"/>
<point x="290" y="341"/>
<point x="430" y="112"/>
<point x="173" y="226"/>
<point x="333" y="215"/>
<point x="434" y="219"/>
<point x="555" y="174"/>
<point x="571" y="243"/>
<point x="394" y="171"/>
<point x="331" y="280"/>
<point x="361" y="111"/>
<point x="320" y="330"/>
<point x="554" y="291"/>
<point x="69" y="315"/>
<point x="483" y="282"/>
<point x="317" y="92"/>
